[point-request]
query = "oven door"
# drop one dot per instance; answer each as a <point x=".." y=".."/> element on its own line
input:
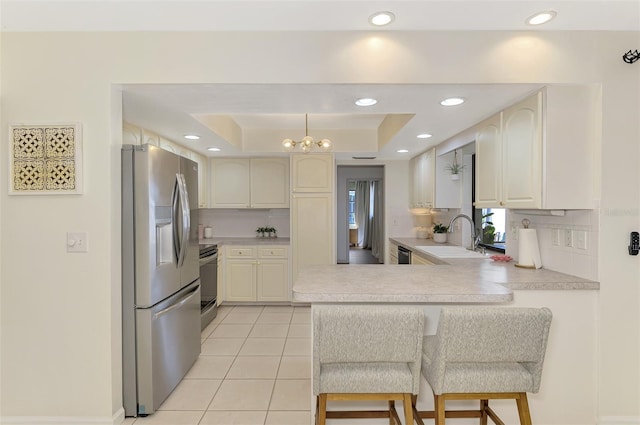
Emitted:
<point x="208" y="289"/>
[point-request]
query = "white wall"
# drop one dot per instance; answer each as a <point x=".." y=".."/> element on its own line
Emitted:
<point x="58" y="309"/>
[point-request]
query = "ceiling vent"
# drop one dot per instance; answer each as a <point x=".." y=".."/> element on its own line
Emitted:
<point x="363" y="157"/>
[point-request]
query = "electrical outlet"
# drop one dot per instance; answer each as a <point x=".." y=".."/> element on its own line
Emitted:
<point x="513" y="229"/>
<point x="555" y="237"/>
<point x="568" y="238"/>
<point x="77" y="242"/>
<point x="580" y="239"/>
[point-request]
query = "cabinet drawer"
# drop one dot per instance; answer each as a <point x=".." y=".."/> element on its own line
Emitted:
<point x="272" y="252"/>
<point x="241" y="252"/>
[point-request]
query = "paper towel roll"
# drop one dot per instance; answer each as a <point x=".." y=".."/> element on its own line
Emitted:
<point x="528" y="249"/>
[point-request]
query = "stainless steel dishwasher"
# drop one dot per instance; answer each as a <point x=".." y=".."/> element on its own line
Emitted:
<point x="208" y="283"/>
<point x="404" y="255"/>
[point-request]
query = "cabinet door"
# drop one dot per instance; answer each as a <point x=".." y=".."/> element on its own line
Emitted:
<point x="131" y="134"/>
<point x="420" y="261"/>
<point x="203" y="179"/>
<point x="270" y="183"/>
<point x="489" y="163"/>
<point x="150" y="137"/>
<point x="312" y="230"/>
<point x="240" y="280"/>
<point x="273" y="282"/>
<point x="312" y="172"/>
<point x="428" y="177"/>
<point x="522" y="154"/>
<point x="230" y="179"/>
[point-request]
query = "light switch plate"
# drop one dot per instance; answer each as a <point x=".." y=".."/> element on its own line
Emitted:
<point x="77" y="242"/>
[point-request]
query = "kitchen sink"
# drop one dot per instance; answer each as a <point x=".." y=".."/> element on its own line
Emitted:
<point x="449" y="251"/>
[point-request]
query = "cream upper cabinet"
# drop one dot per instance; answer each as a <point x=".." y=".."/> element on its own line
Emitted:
<point x="250" y="183"/>
<point x="270" y="183"/>
<point x="312" y="173"/>
<point x="489" y="162"/>
<point x="230" y="183"/>
<point x="150" y="137"/>
<point x="203" y="178"/>
<point x="521" y="154"/>
<point x="541" y="153"/>
<point x="131" y="134"/>
<point x="423" y="168"/>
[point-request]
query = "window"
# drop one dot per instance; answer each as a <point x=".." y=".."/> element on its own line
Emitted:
<point x="351" y="209"/>
<point x="491" y="222"/>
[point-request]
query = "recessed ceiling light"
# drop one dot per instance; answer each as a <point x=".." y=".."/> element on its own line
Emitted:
<point x="214" y="149"/>
<point x="191" y="137"/>
<point x="452" y="101"/>
<point x="424" y="136"/>
<point x="541" y="18"/>
<point x="380" y="19"/>
<point x="402" y="150"/>
<point x="366" y="101"/>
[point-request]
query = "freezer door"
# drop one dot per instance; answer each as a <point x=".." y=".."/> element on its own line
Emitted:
<point x="190" y="269"/>
<point x="168" y="343"/>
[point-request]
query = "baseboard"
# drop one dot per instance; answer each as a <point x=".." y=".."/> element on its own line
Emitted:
<point x="116" y="419"/>
<point x="619" y="420"/>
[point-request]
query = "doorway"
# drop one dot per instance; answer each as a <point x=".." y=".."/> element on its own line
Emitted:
<point x="360" y="209"/>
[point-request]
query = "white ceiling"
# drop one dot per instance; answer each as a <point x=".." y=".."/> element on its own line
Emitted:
<point x="264" y="114"/>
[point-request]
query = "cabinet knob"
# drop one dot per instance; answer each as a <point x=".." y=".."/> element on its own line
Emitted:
<point x="271" y="252"/>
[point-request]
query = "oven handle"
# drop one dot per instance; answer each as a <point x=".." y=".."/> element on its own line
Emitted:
<point x="208" y="259"/>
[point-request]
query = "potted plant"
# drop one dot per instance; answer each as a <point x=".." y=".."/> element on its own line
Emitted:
<point x="271" y="231"/>
<point x="488" y="230"/>
<point x="260" y="232"/>
<point x="440" y="233"/>
<point x="454" y="168"/>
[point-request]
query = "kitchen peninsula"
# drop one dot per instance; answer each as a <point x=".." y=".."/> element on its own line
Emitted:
<point x="570" y="361"/>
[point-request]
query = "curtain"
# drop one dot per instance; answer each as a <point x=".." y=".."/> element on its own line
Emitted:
<point x="363" y="201"/>
<point x="376" y="225"/>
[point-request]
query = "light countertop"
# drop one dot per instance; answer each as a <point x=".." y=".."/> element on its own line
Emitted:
<point x="450" y="280"/>
<point x="245" y="241"/>
<point x="371" y="283"/>
<point x="506" y="274"/>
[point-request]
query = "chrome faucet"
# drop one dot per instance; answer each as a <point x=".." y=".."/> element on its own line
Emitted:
<point x="475" y="239"/>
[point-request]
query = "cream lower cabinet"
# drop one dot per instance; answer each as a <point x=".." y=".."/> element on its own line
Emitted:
<point x="393" y="253"/>
<point x="257" y="273"/>
<point x="419" y="260"/>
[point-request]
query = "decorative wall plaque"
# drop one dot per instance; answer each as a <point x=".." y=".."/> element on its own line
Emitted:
<point x="45" y="159"/>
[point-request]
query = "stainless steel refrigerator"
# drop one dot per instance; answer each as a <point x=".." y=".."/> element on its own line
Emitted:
<point x="160" y="274"/>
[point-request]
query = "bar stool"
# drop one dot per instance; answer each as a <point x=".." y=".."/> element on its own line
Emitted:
<point x="366" y="353"/>
<point x="484" y="354"/>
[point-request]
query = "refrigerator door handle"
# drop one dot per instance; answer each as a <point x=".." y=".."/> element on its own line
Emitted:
<point x="178" y="304"/>
<point x="186" y="219"/>
<point x="174" y="214"/>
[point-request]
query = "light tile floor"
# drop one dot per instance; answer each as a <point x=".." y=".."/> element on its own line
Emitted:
<point x="254" y="369"/>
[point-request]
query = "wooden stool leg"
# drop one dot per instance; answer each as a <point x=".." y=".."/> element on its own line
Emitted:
<point x="408" y="409"/>
<point x="392" y="407"/>
<point x="483" y="411"/>
<point x="321" y="416"/>
<point x="438" y="401"/>
<point x="523" y="409"/>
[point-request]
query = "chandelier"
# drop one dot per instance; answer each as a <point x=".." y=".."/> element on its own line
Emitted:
<point x="307" y="143"/>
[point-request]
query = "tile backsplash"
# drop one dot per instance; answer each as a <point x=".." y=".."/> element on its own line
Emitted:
<point x="580" y="259"/>
<point x="243" y="223"/>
